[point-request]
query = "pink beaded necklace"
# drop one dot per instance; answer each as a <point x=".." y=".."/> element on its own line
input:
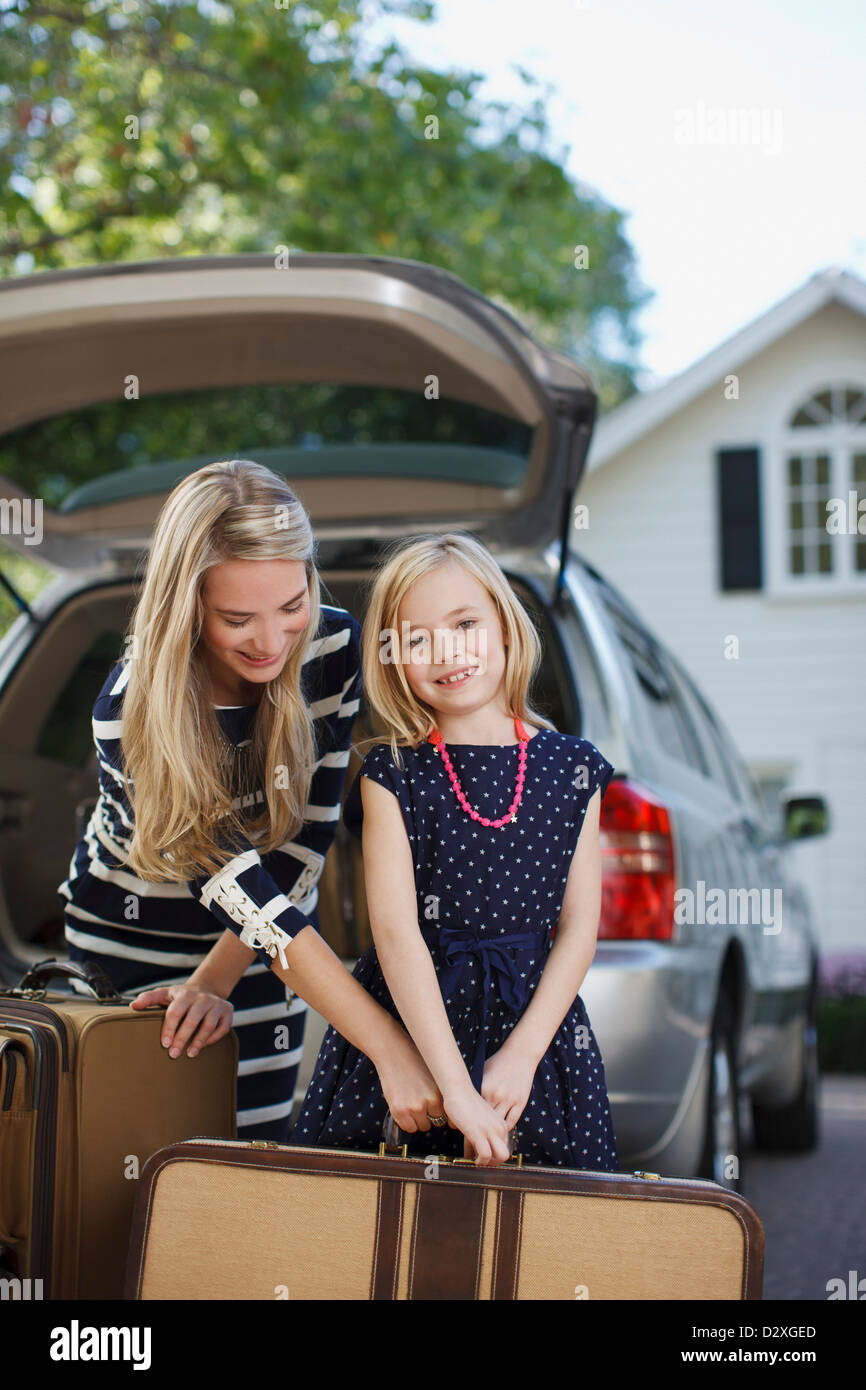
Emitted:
<point x="511" y="814"/>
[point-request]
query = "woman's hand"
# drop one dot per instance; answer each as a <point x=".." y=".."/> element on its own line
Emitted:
<point x="485" y="1134"/>
<point x="189" y="1010"/>
<point x="507" y="1082"/>
<point x="408" y="1086"/>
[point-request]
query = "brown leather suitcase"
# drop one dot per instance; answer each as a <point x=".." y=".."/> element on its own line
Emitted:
<point x="87" y="1094"/>
<point x="259" y="1220"/>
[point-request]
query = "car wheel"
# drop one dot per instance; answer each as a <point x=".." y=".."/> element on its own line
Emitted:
<point x="794" y="1126"/>
<point x="722" y="1128"/>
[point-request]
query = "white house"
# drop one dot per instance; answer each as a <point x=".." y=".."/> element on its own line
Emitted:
<point x="725" y="506"/>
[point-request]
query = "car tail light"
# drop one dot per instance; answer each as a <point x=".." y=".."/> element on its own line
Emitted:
<point x="637" y="866"/>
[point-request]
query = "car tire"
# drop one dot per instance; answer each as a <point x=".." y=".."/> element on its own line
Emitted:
<point x="722" y="1136"/>
<point x="794" y="1127"/>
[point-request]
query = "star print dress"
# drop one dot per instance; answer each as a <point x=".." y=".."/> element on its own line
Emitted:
<point x="487" y="899"/>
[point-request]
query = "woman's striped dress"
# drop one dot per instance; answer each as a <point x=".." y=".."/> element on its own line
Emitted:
<point x="145" y="934"/>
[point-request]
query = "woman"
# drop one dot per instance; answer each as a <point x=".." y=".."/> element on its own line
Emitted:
<point x="223" y="738"/>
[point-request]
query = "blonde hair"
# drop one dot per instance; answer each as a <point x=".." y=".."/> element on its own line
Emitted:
<point x="385" y="683"/>
<point x="173" y="748"/>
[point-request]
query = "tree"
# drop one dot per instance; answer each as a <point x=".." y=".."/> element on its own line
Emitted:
<point x="165" y="127"/>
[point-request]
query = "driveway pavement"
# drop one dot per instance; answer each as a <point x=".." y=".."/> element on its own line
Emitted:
<point x="813" y="1205"/>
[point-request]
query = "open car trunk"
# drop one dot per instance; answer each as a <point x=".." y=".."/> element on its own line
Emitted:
<point x="466" y="420"/>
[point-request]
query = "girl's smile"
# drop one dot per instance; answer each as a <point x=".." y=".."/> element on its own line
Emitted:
<point x="457" y="677"/>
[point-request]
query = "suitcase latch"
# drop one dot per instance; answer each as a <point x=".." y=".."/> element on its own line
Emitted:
<point x="641" y="1173"/>
<point x="384" y="1149"/>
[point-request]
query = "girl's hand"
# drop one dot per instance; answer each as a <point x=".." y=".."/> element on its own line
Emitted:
<point x="190" y="1010"/>
<point x="506" y="1084"/>
<point x="485" y="1134"/>
<point x="408" y="1086"/>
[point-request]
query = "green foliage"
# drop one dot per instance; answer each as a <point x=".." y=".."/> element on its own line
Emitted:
<point x="261" y="124"/>
<point x="27" y="576"/>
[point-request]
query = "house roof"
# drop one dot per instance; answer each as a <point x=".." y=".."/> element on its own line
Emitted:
<point x="644" y="412"/>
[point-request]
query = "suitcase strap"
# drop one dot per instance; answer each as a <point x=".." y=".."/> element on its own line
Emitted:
<point x="444" y="1254"/>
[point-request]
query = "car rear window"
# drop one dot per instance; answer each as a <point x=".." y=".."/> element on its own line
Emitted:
<point x="125" y="447"/>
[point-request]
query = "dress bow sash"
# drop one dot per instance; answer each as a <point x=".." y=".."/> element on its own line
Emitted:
<point x="504" y="958"/>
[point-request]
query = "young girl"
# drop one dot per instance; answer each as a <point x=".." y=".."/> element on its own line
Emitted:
<point x="222" y="737"/>
<point x="480" y="841"/>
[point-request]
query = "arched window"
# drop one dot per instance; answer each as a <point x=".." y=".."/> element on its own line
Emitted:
<point x="838" y="405"/>
<point x="824" y="485"/>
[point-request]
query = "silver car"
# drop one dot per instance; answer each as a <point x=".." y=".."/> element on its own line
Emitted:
<point x="396" y="399"/>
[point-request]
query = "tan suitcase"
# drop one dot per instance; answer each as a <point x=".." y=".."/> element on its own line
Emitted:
<point x="87" y="1094"/>
<point x="258" y="1220"/>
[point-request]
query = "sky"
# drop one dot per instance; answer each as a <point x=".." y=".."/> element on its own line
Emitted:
<point x="732" y="136"/>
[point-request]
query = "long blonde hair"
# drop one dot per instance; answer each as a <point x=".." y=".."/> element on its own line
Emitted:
<point x="176" y="760"/>
<point x="386" y="687"/>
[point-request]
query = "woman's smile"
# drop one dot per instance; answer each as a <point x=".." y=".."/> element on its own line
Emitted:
<point x="260" y="661"/>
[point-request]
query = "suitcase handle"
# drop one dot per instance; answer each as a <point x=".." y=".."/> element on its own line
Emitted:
<point x="87" y="971"/>
<point x="394" y="1142"/>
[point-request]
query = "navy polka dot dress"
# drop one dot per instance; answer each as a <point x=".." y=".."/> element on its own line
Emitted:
<point x="487" y="899"/>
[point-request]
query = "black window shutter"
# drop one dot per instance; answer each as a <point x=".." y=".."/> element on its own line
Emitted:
<point x="739" y="511"/>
